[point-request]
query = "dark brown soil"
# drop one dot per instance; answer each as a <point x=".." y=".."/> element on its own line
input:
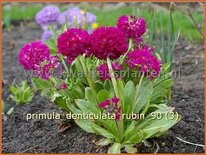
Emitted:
<point x="42" y="136"/>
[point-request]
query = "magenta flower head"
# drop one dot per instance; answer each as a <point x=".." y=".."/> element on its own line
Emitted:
<point x="108" y="42"/>
<point x="73" y="42"/>
<point x="144" y="62"/>
<point x="132" y="27"/>
<point x="32" y="54"/>
<point x="48" y="15"/>
<point x="103" y="70"/>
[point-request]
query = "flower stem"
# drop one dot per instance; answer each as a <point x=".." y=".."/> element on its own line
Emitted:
<point x="140" y="82"/>
<point x="65" y="67"/>
<point x="111" y="73"/>
<point x="120" y="123"/>
<point x="129" y="47"/>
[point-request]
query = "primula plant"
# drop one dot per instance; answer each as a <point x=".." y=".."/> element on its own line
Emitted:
<point x="109" y="74"/>
<point x="21" y="94"/>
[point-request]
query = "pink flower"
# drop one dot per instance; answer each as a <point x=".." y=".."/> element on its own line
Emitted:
<point x="63" y="86"/>
<point x="108" y="42"/>
<point x="132" y="27"/>
<point x="115" y="100"/>
<point x="46" y="69"/>
<point x="104" y="104"/>
<point x="147" y="48"/>
<point x="103" y="70"/>
<point x="112" y="106"/>
<point x="144" y="62"/>
<point x="73" y="42"/>
<point x="32" y="54"/>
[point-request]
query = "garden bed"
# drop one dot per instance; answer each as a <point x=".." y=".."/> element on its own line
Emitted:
<point x="42" y="136"/>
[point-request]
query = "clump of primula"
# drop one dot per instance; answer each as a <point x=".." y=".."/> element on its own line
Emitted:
<point x="132" y="27"/>
<point x="32" y="54"/>
<point x="48" y="15"/>
<point x="144" y="62"/>
<point x="103" y="70"/>
<point x="112" y="106"/>
<point x="73" y="42"/>
<point x="112" y="48"/>
<point x="108" y="42"/>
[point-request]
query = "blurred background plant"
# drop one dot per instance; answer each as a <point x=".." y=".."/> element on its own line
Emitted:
<point x="186" y="19"/>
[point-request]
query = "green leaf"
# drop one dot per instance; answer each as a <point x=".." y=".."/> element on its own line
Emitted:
<point x="120" y="87"/>
<point x="101" y="131"/>
<point x="89" y="96"/>
<point x="85" y="124"/>
<point x="115" y="149"/>
<point x="40" y="84"/>
<point x="98" y="86"/>
<point x="52" y="46"/>
<point x="102" y="95"/>
<point x="162" y="88"/>
<point x="135" y="136"/>
<point x="108" y="86"/>
<point x="87" y="107"/>
<point x="13" y="89"/>
<point x="103" y="142"/>
<point x="129" y="95"/>
<point x="158" y="122"/>
<point x="130" y="149"/>
<point x="144" y="97"/>
<point x="110" y="125"/>
<point x="60" y="102"/>
<point x="129" y="129"/>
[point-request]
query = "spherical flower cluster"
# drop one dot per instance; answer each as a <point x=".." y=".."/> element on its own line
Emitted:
<point x="132" y="27"/>
<point x="108" y="42"/>
<point x="111" y="105"/>
<point x="48" y="15"/>
<point x="76" y="17"/>
<point x="103" y="70"/>
<point x="73" y="42"/>
<point x="46" y="68"/>
<point x="32" y="54"/>
<point x="144" y="62"/>
<point x="47" y="34"/>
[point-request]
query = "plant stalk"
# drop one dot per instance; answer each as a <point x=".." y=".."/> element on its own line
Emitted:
<point x="120" y="123"/>
<point x="111" y="73"/>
